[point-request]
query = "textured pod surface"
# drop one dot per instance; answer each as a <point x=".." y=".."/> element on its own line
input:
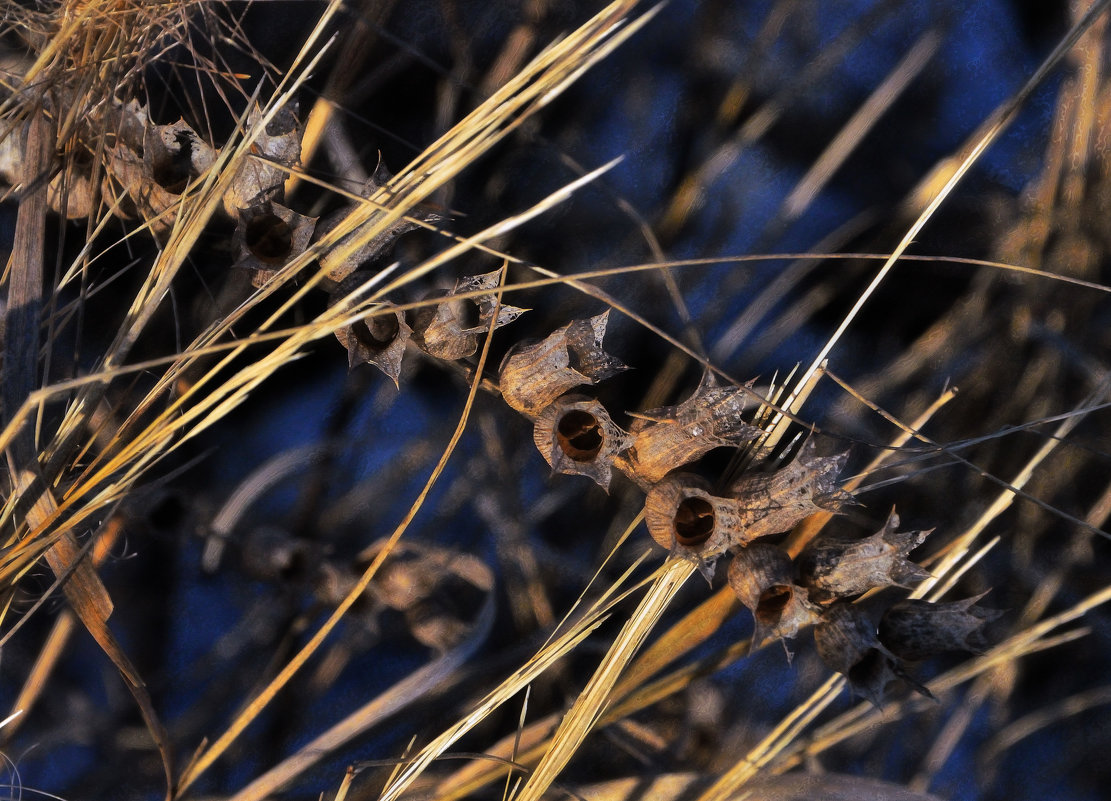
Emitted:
<point x="761" y="575"/>
<point x="260" y="174"/>
<point x="450" y="329"/>
<point x="576" y="436"/>
<point x="834" y="568"/>
<point x="915" y="629"/>
<point x="379" y="339"/>
<point x="677" y="435"/>
<point x="267" y="236"/>
<point x="772" y="503"/>
<point x="532" y="376"/>
<point x="683" y="516"/>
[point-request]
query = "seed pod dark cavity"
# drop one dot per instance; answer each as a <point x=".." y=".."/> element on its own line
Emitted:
<point x="378" y="339"/>
<point x="267" y="236"/>
<point x="916" y="629"/>
<point x="677" y="435"/>
<point x="683" y="516"/>
<point x="762" y="576"/>
<point x="576" y="436"/>
<point x="534" y="375"/>
<point x="835" y="568"/>
<point x="450" y="329"/>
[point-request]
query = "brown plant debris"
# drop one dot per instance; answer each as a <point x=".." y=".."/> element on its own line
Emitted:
<point x="260" y="175"/>
<point x="837" y="568"/>
<point x="267" y="236"/>
<point x="450" y="329"/>
<point x="915" y="629"/>
<point x="762" y="576"/>
<point x="576" y="436"/>
<point x="378" y="339"/>
<point x="533" y="375"/>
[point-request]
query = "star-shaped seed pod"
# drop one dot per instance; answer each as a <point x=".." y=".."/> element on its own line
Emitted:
<point x="848" y="644"/>
<point x="762" y="576"/>
<point x="677" y="435"/>
<point x="915" y="629"/>
<point x="684" y="516"/>
<point x="260" y="174"/>
<point x="267" y="236"/>
<point x="533" y="375"/>
<point x="837" y="568"/>
<point x="576" y="436"/>
<point x="378" y="339"/>
<point x="450" y="329"/>
<point x="772" y="503"/>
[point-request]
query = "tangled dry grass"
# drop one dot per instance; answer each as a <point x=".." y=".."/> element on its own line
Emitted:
<point x="307" y="571"/>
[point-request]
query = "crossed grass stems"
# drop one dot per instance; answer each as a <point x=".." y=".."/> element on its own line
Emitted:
<point x="92" y="477"/>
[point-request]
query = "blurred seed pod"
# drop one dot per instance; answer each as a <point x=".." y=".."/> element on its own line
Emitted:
<point x="915" y="629"/>
<point x="259" y="174"/>
<point x="836" y="568"/>
<point x="848" y="644"/>
<point x="335" y="263"/>
<point x="576" y="436"/>
<point x="450" y="329"/>
<point x="677" y="435"/>
<point x="772" y="503"/>
<point x="683" y="516"/>
<point x="762" y="576"/>
<point x="534" y="375"/>
<point x="379" y="339"/>
<point x="267" y="236"/>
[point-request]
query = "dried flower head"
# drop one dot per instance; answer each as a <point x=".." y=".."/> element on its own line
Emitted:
<point x="915" y="629"/>
<point x="762" y="576"/>
<point x="378" y="339"/>
<point x="576" y="436"/>
<point x="260" y="175"/>
<point x="836" y="568"/>
<point x="677" y="435"/>
<point x="450" y="328"/>
<point x="267" y="236"/>
<point x="534" y="375"/>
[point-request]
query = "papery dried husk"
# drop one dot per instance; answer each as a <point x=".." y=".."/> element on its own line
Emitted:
<point x="684" y="516"/>
<point x="534" y="375"/>
<point x="576" y="436"/>
<point x="847" y="643"/>
<point x="772" y="503"/>
<point x="378" y="339"/>
<point x="677" y="435"/>
<point x="915" y="629"/>
<point x="836" y="568"/>
<point x="267" y="236"/>
<point x="762" y="576"/>
<point x="450" y="329"/>
<point x="260" y="173"/>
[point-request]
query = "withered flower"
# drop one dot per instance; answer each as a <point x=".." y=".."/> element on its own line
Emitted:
<point x="576" y="436"/>
<point x="450" y="329"/>
<point x="260" y="174"/>
<point x="772" y="503"/>
<point x="267" y="236"/>
<point x="762" y="576"/>
<point x="915" y="629"/>
<point x="677" y="435"/>
<point x="836" y="568"/>
<point x="683" y="516"/>
<point x="534" y="375"/>
<point x="847" y="643"/>
<point x="379" y="339"/>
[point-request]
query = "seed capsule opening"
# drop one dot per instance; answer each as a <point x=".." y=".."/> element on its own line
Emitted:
<point x="377" y="333"/>
<point x="580" y="436"/>
<point x="694" y="521"/>
<point x="772" y="603"/>
<point x="269" y="238"/>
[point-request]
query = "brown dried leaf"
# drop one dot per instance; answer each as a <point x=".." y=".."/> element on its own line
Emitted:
<point x="915" y="629"/>
<point x="258" y="176"/>
<point x="450" y="329"/>
<point x="576" y="436"/>
<point x="534" y="375"/>
<point x="762" y="576"/>
<point x="835" y="568"/>
<point x="379" y="339"/>
<point x="772" y="503"/>
<point x="267" y="236"/>
<point x="678" y="435"/>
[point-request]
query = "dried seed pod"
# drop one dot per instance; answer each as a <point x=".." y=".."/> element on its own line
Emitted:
<point x="915" y="629"/>
<point x="762" y="576"/>
<point x="772" y="503"/>
<point x="534" y="375"/>
<point x="267" y="236"/>
<point x="379" y="339"/>
<point x="834" y="568"/>
<point x="847" y="643"/>
<point x="678" y="435"/>
<point x="576" y="436"/>
<point x="683" y="516"/>
<point x="260" y="174"/>
<point x="450" y="329"/>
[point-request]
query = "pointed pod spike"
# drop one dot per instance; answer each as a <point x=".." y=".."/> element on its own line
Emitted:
<point x="576" y="436"/>
<point x="915" y="629"/>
